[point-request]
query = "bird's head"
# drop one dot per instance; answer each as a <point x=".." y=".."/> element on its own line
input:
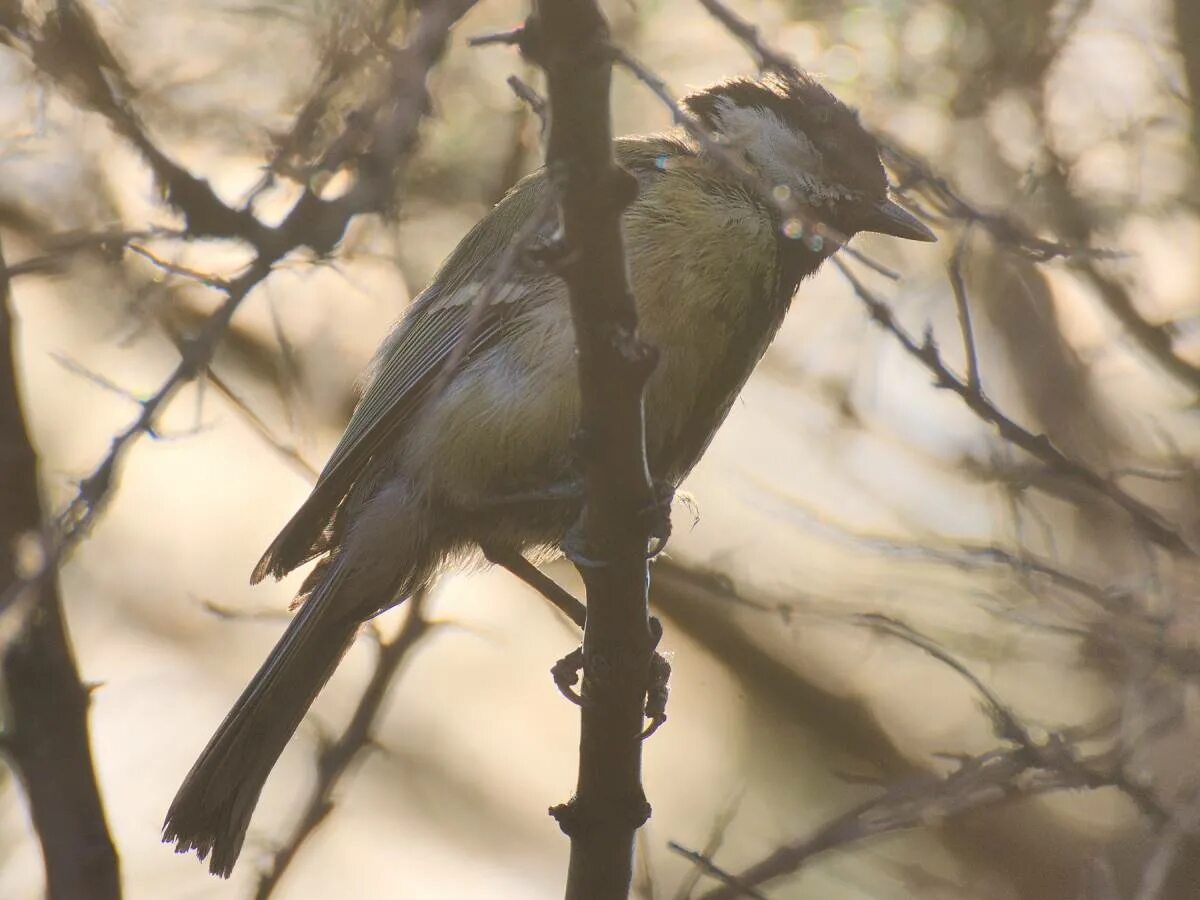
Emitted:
<point x="807" y="147"/>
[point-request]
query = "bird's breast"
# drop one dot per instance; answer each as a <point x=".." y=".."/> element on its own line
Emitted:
<point x="706" y="281"/>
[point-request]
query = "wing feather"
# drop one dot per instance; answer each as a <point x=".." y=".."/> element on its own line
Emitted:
<point x="411" y="359"/>
<point x="408" y="364"/>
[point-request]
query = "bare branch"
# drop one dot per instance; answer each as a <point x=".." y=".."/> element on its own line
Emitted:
<point x="1008" y="726"/>
<point x="536" y="101"/>
<point x="569" y="39"/>
<point x="704" y="864"/>
<point x="46" y="715"/>
<point x="312" y="222"/>
<point x="962" y="303"/>
<point x="768" y="59"/>
<point x="1147" y="519"/>
<point x="978" y="782"/>
<point x="286" y="451"/>
<point x="917" y="174"/>
<point x="715" y="840"/>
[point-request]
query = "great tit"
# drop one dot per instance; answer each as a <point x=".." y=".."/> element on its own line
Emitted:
<point x="436" y="466"/>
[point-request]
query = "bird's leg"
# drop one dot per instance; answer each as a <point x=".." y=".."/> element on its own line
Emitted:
<point x="518" y="565"/>
<point x="658" y="511"/>
<point x="566" y="671"/>
<point x="660" y="517"/>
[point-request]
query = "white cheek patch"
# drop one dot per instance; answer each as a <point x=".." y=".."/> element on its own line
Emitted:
<point x="785" y="156"/>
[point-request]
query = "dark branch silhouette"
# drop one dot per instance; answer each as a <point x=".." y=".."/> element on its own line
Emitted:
<point x="45" y="732"/>
<point x="70" y="50"/>
<point x="569" y="39"/>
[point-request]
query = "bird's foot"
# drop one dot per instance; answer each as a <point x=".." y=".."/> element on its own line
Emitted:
<point x="657" y="687"/>
<point x="656" y="515"/>
<point x="659" y="514"/>
<point x="566" y="672"/>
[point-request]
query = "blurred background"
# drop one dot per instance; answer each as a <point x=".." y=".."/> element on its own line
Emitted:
<point x="844" y="483"/>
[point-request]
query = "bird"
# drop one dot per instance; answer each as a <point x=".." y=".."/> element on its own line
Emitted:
<point x="438" y="467"/>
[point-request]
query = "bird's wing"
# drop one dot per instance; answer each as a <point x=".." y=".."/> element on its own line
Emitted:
<point x="411" y="361"/>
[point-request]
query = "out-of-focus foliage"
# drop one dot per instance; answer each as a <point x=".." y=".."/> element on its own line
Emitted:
<point x="845" y="483"/>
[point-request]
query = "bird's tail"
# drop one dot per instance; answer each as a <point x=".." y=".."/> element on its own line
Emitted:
<point x="212" y="810"/>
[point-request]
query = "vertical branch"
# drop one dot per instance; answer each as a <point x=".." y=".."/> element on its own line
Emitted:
<point x="46" y="728"/>
<point x="1187" y="39"/>
<point x="570" y="40"/>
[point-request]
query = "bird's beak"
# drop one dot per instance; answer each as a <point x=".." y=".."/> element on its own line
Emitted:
<point x="891" y="218"/>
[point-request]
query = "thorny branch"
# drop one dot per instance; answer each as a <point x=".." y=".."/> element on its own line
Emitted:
<point x="950" y="204"/>
<point x="69" y="50"/>
<point x="1031" y="765"/>
<point x="1039" y="446"/>
<point x="207" y="215"/>
<point x="978" y="782"/>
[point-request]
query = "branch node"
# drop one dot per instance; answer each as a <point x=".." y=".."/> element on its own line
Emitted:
<point x="568" y="818"/>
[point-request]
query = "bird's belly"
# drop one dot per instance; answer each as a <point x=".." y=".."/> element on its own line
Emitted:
<point x="507" y="421"/>
<point x="502" y="428"/>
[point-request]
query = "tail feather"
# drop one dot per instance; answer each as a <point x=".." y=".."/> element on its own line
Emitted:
<point x="212" y="810"/>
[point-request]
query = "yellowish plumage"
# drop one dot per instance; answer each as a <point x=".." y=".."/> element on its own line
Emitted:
<point x="436" y="465"/>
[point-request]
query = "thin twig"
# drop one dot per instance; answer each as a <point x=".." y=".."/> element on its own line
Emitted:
<point x="1038" y="446"/>
<point x="312" y="222"/>
<point x="769" y="60"/>
<point x="955" y="272"/>
<point x="716" y="838"/>
<point x="979" y="782"/>
<point x="59" y="246"/>
<point x="536" y="101"/>
<point x="287" y="452"/>
<point x="203" y="278"/>
<point x="917" y="174"/>
<point x="512" y="37"/>
<point x="1031" y="767"/>
<point x="336" y="758"/>
<point x="704" y="864"/>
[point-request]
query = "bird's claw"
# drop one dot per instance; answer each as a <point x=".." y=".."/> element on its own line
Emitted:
<point x="656" y="694"/>
<point x="659" y="514"/>
<point x="565" y="673"/>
